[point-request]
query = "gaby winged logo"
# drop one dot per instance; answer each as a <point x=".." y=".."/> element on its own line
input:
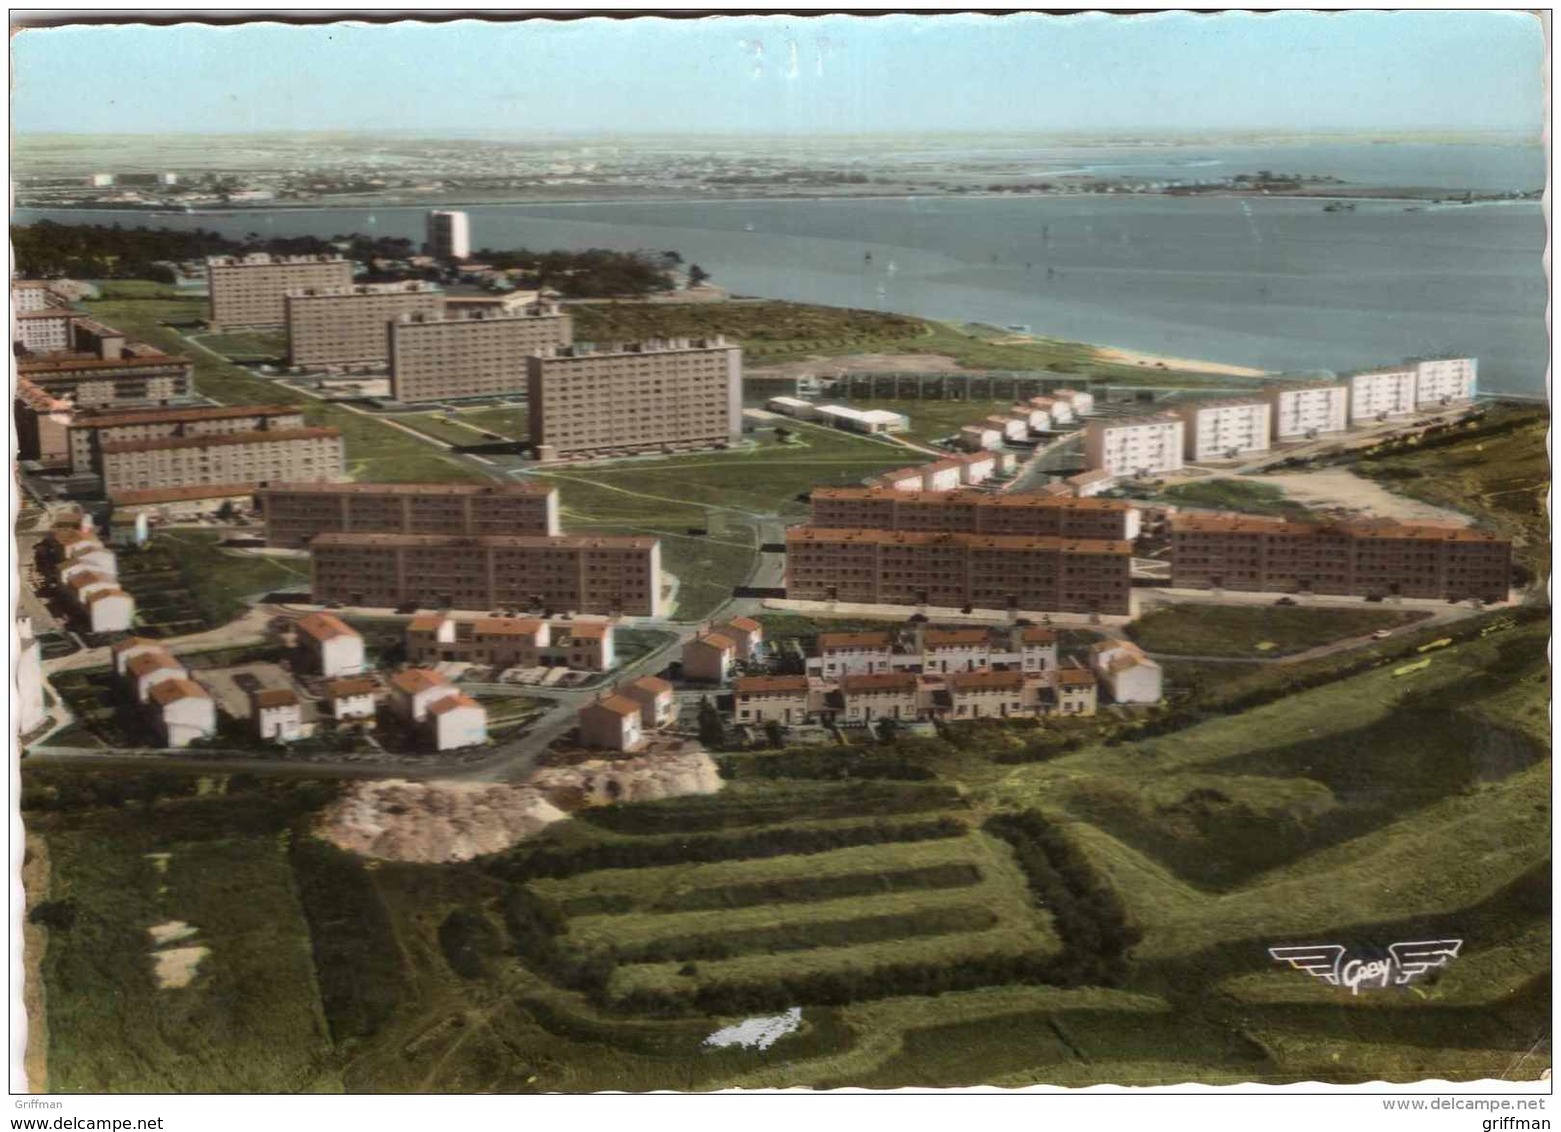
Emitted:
<point x="1337" y="966"/>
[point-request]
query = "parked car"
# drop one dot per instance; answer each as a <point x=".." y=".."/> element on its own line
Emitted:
<point x="1380" y="633"/>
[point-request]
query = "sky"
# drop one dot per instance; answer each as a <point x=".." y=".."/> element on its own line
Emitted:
<point x="1179" y="72"/>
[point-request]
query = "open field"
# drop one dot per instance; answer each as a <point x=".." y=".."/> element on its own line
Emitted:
<point x="1256" y="631"/>
<point x="220" y="582"/>
<point x="1249" y="496"/>
<point x="513" y="421"/>
<point x="248" y="345"/>
<point x="773" y="332"/>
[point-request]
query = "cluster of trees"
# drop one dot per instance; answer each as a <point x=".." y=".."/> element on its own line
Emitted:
<point x="590" y="274"/>
<point x="1086" y="912"/>
<point x="534" y="930"/>
<point x="558" y="862"/>
<point x="469" y="942"/>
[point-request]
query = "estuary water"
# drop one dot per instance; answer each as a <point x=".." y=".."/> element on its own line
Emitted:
<point x="1270" y="282"/>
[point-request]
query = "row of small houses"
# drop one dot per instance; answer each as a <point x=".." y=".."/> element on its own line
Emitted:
<point x="1037" y="415"/>
<point x="86" y="575"/>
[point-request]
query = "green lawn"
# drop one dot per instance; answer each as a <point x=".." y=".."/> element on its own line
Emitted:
<point x="513" y="422"/>
<point x="248" y="346"/>
<point x="436" y="426"/>
<point x="772" y="332"/>
<point x="1245" y="630"/>
<point x="223" y="581"/>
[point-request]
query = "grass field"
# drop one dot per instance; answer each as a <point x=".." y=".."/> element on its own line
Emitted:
<point x="1256" y="631"/>
<point x="222" y="582"/>
<point x="513" y="421"/>
<point x="248" y="346"/>
<point x="772" y="332"/>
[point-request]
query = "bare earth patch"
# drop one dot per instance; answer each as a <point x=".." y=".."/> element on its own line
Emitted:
<point x="1340" y="487"/>
<point x="177" y="966"/>
<point x="440" y="821"/>
<point x="170" y="932"/>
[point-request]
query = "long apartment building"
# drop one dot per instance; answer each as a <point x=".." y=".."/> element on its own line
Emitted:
<point x="251" y="290"/>
<point x="260" y="456"/>
<point x="956" y="570"/>
<point x="1307" y="410"/>
<point x="1224" y="429"/>
<point x="89" y="431"/>
<point x="574" y="573"/>
<point x="975" y="512"/>
<point x="42" y="424"/>
<point x="1378" y="395"/>
<point x="1445" y="381"/>
<point x="296" y="512"/>
<point x="347" y="326"/>
<point x="470" y="352"/>
<point x="99" y="367"/>
<point x="1370" y="558"/>
<point x="1136" y="446"/>
<point x="649" y="396"/>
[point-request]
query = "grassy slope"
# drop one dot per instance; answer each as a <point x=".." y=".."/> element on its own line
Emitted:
<point x="772" y="332"/>
<point x="1236" y="631"/>
<point x="1502" y="480"/>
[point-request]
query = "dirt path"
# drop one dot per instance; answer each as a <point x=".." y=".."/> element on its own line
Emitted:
<point x="1340" y="487"/>
<point x="35" y="940"/>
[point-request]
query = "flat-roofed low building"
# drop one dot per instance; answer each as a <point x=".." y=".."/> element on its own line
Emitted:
<point x="90" y="430"/>
<point x="296" y="512"/>
<point x="601" y="574"/>
<point x="974" y="512"/>
<point x="613" y="723"/>
<point x="785" y="700"/>
<point x="663" y="394"/>
<point x="956" y="570"/>
<point x="251" y="290"/>
<point x="869" y="421"/>
<point x="1143" y="446"/>
<point x="291" y="454"/>
<point x="349" y="326"/>
<point x="1382" y="394"/>
<point x="1365" y="558"/>
<point x="1224" y="429"/>
<point x="470" y="353"/>
<point x="1305" y="410"/>
<point x="1445" y="381"/>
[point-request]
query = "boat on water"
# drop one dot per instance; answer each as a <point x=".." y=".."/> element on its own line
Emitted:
<point x="747" y="227"/>
<point x="1340" y="206"/>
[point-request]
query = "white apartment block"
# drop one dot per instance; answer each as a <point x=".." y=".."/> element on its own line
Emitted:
<point x="1380" y="394"/>
<point x="252" y="290"/>
<point x="1302" y="412"/>
<point x="1224" y="430"/>
<point x="1136" y="446"/>
<point x="346" y="326"/>
<point x="1445" y="381"/>
<point x="449" y="235"/>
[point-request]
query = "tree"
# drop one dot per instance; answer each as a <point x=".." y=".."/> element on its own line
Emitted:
<point x="775" y="733"/>
<point x="696" y="275"/>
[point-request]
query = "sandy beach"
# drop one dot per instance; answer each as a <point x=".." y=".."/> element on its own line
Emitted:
<point x="1160" y="361"/>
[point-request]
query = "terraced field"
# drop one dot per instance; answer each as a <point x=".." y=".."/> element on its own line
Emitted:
<point x="941" y="915"/>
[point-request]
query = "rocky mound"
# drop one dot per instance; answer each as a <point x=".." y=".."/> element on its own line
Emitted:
<point x="440" y="821"/>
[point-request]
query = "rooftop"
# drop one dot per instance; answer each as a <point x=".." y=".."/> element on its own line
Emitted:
<point x="618" y="705"/>
<point x="1075" y="678"/>
<point x="94" y="419"/>
<point x="414" y="680"/>
<point x="845" y="535"/>
<point x="936" y="637"/>
<point x="504" y="626"/>
<point x="748" y="685"/>
<point x="973" y="681"/>
<point x="275" y="697"/>
<point x="450" y="703"/>
<point x="179" y="688"/>
<point x="350" y="686"/>
<point x="714" y="640"/>
<point x="149" y="495"/>
<point x="880" y="681"/>
<point x="145" y="662"/>
<point x="853" y="640"/>
<point x="478" y="542"/>
<point x="652" y="684"/>
<point x="324" y="626"/>
<point x="523" y="487"/>
<point x="223" y="440"/>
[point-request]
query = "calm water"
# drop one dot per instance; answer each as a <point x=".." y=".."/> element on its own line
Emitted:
<point x="1276" y="283"/>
